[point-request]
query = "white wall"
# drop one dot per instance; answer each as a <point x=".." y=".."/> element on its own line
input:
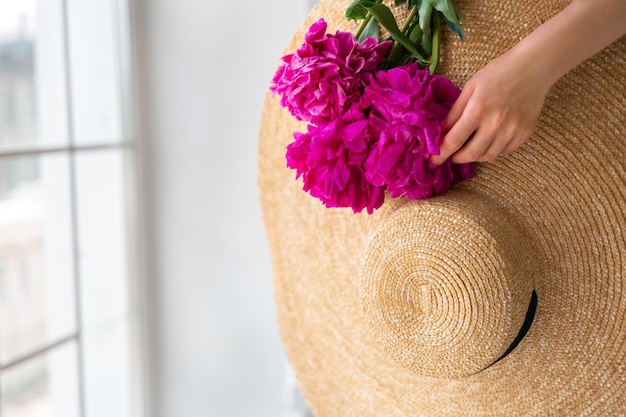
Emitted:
<point x="203" y="68"/>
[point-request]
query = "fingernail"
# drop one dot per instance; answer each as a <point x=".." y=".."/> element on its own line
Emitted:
<point x="445" y="128"/>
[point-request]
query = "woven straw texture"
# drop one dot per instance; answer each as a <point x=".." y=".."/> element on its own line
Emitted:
<point x="407" y="311"/>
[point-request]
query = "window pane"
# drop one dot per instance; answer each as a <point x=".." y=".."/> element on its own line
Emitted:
<point x="104" y="282"/>
<point x="107" y="369"/>
<point x="32" y="75"/>
<point x="36" y="273"/>
<point x="46" y="386"/>
<point x="95" y="69"/>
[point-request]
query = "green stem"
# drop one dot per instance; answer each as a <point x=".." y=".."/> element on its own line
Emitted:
<point x="361" y="27"/>
<point x="404" y="29"/>
<point x="364" y="23"/>
<point x="434" y="58"/>
<point x="409" y="19"/>
<point x="392" y="51"/>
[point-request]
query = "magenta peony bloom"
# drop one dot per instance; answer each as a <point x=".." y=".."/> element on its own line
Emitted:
<point x="330" y="158"/>
<point x="408" y="108"/>
<point x="324" y="77"/>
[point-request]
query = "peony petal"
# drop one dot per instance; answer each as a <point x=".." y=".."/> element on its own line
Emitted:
<point x="316" y="31"/>
<point x="408" y="110"/>
<point x="369" y="131"/>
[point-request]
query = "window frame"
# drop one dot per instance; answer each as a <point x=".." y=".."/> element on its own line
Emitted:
<point x="130" y="147"/>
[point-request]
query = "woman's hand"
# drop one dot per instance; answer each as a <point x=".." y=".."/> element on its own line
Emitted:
<point x="496" y="112"/>
<point x="499" y="107"/>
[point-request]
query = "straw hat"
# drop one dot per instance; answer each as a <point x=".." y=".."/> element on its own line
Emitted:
<point x="506" y="296"/>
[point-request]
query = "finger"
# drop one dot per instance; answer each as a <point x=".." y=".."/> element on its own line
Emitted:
<point x="493" y="151"/>
<point x="514" y="144"/>
<point x="474" y="149"/>
<point x="510" y="147"/>
<point x="457" y="109"/>
<point x="454" y="139"/>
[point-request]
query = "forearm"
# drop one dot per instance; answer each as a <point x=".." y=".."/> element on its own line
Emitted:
<point x="582" y="29"/>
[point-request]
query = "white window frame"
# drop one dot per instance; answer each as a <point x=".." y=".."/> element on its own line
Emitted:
<point x="130" y="144"/>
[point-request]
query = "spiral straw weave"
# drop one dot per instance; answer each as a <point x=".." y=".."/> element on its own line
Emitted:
<point x="441" y="308"/>
<point x="411" y="311"/>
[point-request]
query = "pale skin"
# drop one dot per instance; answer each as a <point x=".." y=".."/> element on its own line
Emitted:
<point x="499" y="106"/>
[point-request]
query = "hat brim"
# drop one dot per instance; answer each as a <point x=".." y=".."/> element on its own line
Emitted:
<point x="567" y="185"/>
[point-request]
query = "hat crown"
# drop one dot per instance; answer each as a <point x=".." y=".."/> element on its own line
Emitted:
<point x="446" y="284"/>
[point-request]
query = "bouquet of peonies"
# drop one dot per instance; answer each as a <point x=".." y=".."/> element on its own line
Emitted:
<point x="375" y="110"/>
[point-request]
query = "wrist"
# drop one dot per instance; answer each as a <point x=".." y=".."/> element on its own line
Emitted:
<point x="530" y="67"/>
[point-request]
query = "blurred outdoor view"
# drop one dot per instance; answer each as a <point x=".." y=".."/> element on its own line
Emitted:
<point x="98" y="267"/>
<point x="64" y="272"/>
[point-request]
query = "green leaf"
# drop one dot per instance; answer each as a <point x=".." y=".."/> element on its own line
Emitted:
<point x="384" y="16"/>
<point x="355" y="11"/>
<point x="415" y="33"/>
<point x="425" y="17"/>
<point x="399" y="57"/>
<point x="450" y="11"/>
<point x="370" y="31"/>
<point x="456" y="29"/>
<point x="399" y="2"/>
<point x="448" y="8"/>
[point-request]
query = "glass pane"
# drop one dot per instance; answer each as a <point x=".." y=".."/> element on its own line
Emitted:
<point x="95" y="69"/>
<point x="32" y="75"/>
<point x="36" y="273"/>
<point x="107" y="369"/>
<point x="104" y="281"/>
<point x="45" y="386"/>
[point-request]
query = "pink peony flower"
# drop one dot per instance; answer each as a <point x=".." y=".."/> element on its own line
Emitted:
<point x="324" y="77"/>
<point x="330" y="158"/>
<point x="408" y="108"/>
